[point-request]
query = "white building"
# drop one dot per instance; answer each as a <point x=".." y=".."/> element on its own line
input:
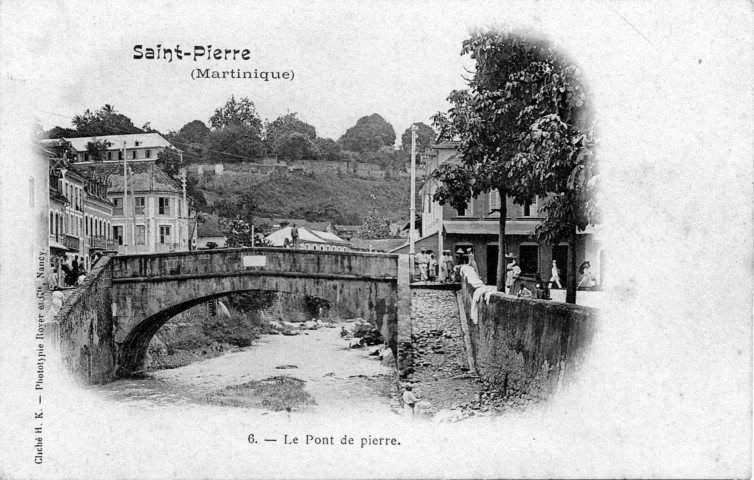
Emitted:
<point x="309" y="240"/>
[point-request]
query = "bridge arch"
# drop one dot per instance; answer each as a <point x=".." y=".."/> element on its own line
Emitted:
<point x="148" y="290"/>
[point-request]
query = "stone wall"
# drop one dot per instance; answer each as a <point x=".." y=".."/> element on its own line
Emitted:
<point x="82" y="331"/>
<point x="526" y="348"/>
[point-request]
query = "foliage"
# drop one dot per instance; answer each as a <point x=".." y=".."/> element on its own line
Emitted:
<point x="368" y="135"/>
<point x="233" y="143"/>
<point x="97" y="149"/>
<point x="105" y="121"/>
<point x="524" y="129"/>
<point x="238" y="232"/>
<point x="328" y="149"/>
<point x="236" y="112"/>
<point x="296" y="146"/>
<point x="170" y="162"/>
<point x="375" y="226"/>
<point x="244" y="207"/>
<point x="279" y="131"/>
<point x="212" y="245"/>
<point x="386" y="157"/>
<point x="425" y="136"/>
<point x="190" y="138"/>
<point x="247" y="302"/>
<point x="349" y="156"/>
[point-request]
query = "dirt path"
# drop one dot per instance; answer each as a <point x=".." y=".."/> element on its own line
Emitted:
<point x="338" y="378"/>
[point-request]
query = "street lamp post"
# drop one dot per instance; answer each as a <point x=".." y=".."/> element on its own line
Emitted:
<point x="412" y="210"/>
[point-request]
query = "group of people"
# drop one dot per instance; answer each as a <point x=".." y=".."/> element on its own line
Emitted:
<point x="430" y="269"/>
<point x="74" y="273"/>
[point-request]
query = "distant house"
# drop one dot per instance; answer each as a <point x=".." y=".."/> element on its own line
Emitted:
<point x="137" y="146"/>
<point x="208" y="231"/>
<point x="309" y="240"/>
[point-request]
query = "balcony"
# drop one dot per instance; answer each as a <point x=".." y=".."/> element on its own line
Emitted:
<point x="101" y="243"/>
<point x="71" y="243"/>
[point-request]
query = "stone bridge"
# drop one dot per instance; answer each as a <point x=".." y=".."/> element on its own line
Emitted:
<point x="147" y="290"/>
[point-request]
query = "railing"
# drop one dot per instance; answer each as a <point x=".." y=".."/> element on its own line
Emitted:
<point x="139" y="210"/>
<point x="101" y="242"/>
<point x="71" y="243"/>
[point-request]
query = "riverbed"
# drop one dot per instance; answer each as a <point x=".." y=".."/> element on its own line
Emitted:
<point x="340" y="380"/>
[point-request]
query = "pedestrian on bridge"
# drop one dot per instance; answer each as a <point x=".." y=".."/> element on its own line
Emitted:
<point x="294" y="236"/>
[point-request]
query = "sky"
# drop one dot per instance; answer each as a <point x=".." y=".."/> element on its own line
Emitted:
<point x="347" y="63"/>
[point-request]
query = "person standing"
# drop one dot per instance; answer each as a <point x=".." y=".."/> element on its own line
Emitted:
<point x="409" y="401"/>
<point x="422" y="260"/>
<point x="512" y="271"/>
<point x="555" y="275"/>
<point x="472" y="262"/>
<point x="447" y="263"/>
<point x="75" y="267"/>
<point x="294" y="236"/>
<point x="432" y="266"/>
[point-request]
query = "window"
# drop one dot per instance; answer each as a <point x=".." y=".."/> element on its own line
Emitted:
<point x="530" y="209"/>
<point x="52" y="223"/>
<point x="164" y="206"/>
<point x="141" y="235"/>
<point x="529" y="259"/>
<point x="109" y="155"/>
<point x="86" y="157"/>
<point x="468" y="211"/>
<point x="120" y="154"/>
<point x="494" y="203"/>
<point x="133" y="154"/>
<point x="148" y="153"/>
<point x="140" y="205"/>
<point x="118" y="234"/>
<point x="118" y="210"/>
<point x="165" y="234"/>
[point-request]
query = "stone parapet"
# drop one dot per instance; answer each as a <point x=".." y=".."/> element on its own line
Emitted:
<point x="526" y="348"/>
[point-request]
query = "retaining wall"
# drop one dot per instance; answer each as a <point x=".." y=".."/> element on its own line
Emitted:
<point x="82" y="331"/>
<point x="527" y="348"/>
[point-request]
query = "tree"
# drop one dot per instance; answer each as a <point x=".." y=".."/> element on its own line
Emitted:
<point x="296" y="146"/>
<point x="368" y="135"/>
<point x="524" y="129"/>
<point x="97" y="149"/>
<point x="425" y="136"/>
<point x="234" y="143"/>
<point x="285" y="125"/>
<point x="241" y="112"/>
<point x="105" y="121"/>
<point x="238" y="232"/>
<point x="190" y="139"/>
<point x="170" y="161"/>
<point x="375" y="226"/>
<point x="328" y="149"/>
<point x="244" y="208"/>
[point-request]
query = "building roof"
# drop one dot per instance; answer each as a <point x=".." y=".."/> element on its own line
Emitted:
<point x="146" y="176"/>
<point x="145" y="140"/>
<point x="320" y="226"/>
<point x="208" y="226"/>
<point x="278" y="238"/>
<point x="378" y="245"/>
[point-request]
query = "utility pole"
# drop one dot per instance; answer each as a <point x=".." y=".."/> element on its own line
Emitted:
<point x="412" y="210"/>
<point x="183" y="214"/>
<point x="125" y="198"/>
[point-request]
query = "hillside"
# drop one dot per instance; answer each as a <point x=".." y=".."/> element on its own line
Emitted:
<point x="315" y="196"/>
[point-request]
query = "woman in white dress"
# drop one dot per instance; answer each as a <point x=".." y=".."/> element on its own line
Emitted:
<point x="555" y="275"/>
